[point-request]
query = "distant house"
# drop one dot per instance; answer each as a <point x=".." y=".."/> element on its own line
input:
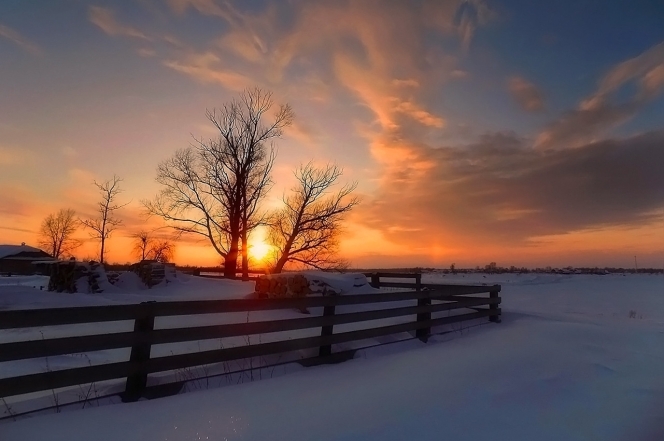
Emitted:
<point x="18" y="259"/>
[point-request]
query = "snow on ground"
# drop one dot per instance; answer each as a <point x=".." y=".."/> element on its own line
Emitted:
<point x="577" y="357"/>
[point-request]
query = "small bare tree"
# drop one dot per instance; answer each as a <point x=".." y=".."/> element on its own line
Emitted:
<point x="146" y="246"/>
<point x="142" y="241"/>
<point x="56" y="231"/>
<point x="106" y="221"/>
<point x="306" y="230"/>
<point x="162" y="251"/>
<point x="213" y="189"/>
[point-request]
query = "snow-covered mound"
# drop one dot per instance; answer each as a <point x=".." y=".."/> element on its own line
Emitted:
<point x="339" y="283"/>
<point x="302" y="283"/>
<point x="129" y="282"/>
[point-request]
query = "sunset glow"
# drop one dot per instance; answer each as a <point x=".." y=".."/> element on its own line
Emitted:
<point x="258" y="251"/>
<point x="478" y="131"/>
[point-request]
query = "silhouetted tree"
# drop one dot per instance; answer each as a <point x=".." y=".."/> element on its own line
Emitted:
<point x="162" y="251"/>
<point x="146" y="246"/>
<point x="214" y="188"/>
<point x="105" y="222"/>
<point x="56" y="231"/>
<point x="306" y="229"/>
<point x="142" y="244"/>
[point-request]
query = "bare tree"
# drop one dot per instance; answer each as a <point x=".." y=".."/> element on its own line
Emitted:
<point x="56" y="231"/>
<point x="162" y="251"/>
<point x="306" y="229"/>
<point x="142" y="241"/>
<point x="148" y="247"/>
<point x="106" y="221"/>
<point x="214" y="188"/>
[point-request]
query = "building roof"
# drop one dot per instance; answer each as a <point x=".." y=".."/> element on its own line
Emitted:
<point x="11" y="250"/>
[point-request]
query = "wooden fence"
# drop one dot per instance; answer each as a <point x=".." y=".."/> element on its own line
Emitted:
<point x="427" y="299"/>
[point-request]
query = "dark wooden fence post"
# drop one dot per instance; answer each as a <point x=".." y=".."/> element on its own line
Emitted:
<point x="375" y="280"/>
<point x="140" y="353"/>
<point x="494" y="308"/>
<point x="422" y="333"/>
<point x="326" y="350"/>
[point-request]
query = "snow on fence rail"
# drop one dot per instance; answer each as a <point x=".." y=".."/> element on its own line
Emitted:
<point x="429" y="299"/>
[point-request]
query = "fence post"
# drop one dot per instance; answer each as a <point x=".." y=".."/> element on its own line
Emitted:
<point x="494" y="309"/>
<point x="422" y="333"/>
<point x="326" y="350"/>
<point x="140" y="353"/>
<point x="375" y="280"/>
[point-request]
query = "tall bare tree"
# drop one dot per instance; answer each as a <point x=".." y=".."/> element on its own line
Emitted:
<point x="56" y="231"/>
<point x="106" y="221"/>
<point x="214" y="188"/>
<point x="306" y="230"/>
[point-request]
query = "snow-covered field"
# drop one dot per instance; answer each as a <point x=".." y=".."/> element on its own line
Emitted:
<point x="577" y="357"/>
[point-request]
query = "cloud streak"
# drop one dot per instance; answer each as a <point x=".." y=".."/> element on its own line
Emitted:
<point x="20" y="40"/>
<point x="105" y="19"/>
<point x="207" y="68"/>
<point x="601" y="111"/>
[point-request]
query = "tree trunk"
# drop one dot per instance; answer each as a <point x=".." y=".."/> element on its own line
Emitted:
<point x="230" y="263"/>
<point x="279" y="267"/>
<point x="101" y="255"/>
<point x="245" y="255"/>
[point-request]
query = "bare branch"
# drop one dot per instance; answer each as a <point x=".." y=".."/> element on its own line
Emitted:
<point x="105" y="223"/>
<point x="306" y="230"/>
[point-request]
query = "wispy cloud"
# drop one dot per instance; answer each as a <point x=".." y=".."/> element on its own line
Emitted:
<point x="146" y="52"/>
<point x="208" y="7"/>
<point x="104" y="18"/>
<point x="639" y="68"/>
<point x="469" y="16"/>
<point x="20" y="40"/>
<point x="601" y="111"/>
<point x="303" y="132"/>
<point x="526" y="94"/>
<point x="207" y="68"/>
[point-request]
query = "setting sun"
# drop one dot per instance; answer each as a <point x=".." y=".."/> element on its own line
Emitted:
<point x="259" y="250"/>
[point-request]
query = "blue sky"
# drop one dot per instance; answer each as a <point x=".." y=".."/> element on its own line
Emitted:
<point x="407" y="96"/>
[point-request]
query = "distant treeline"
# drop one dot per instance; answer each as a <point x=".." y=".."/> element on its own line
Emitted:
<point x="190" y="269"/>
<point x="514" y="270"/>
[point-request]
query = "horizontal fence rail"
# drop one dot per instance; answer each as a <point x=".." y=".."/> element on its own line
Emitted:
<point x="428" y="299"/>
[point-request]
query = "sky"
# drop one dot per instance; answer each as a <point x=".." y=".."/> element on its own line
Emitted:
<point x="510" y="131"/>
